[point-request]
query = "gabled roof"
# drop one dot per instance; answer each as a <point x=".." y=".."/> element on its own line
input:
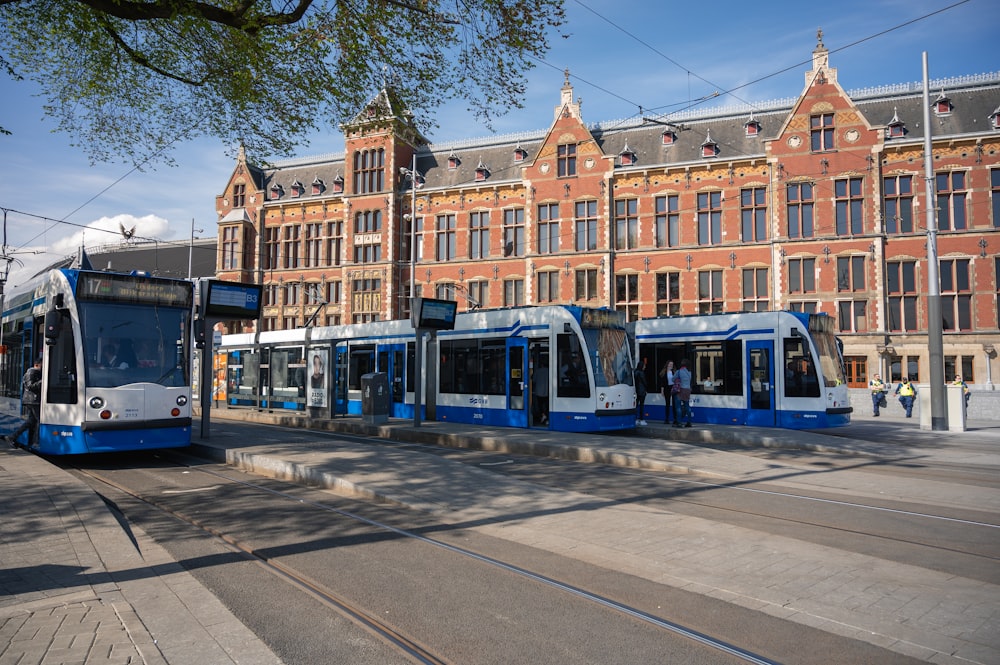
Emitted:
<point x="974" y="99"/>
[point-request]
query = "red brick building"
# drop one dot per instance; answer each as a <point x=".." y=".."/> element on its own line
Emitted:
<point x="817" y="203"/>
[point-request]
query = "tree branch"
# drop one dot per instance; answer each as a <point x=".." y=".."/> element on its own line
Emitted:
<point x="236" y="18"/>
<point x="141" y="59"/>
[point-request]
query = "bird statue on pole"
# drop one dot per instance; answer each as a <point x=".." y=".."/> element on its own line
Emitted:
<point x="127" y="233"/>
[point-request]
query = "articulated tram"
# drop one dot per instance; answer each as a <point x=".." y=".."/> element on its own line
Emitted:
<point x="556" y="367"/>
<point x="766" y="369"/>
<point x="116" y="360"/>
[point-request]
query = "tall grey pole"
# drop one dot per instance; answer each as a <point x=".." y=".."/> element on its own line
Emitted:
<point x="935" y="341"/>
<point x="418" y="360"/>
<point x="418" y="356"/>
<point x="413" y="227"/>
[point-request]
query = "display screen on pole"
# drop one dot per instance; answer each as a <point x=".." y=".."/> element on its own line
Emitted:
<point x="435" y="314"/>
<point x="232" y="300"/>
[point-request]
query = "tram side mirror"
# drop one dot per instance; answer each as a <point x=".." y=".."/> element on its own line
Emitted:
<point x="53" y="324"/>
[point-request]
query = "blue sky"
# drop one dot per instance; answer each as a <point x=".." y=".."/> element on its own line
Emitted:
<point x="621" y="54"/>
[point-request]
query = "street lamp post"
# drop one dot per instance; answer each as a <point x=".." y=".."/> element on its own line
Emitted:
<point x="412" y="174"/>
<point x="989" y="350"/>
<point x="191" y="246"/>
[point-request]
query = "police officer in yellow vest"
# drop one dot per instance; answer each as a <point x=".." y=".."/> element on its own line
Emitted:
<point x="965" y="388"/>
<point x="906" y="393"/>
<point x="878" y="390"/>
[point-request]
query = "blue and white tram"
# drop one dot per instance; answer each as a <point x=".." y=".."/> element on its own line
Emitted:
<point x="557" y="367"/>
<point x="766" y="369"/>
<point x="116" y="360"/>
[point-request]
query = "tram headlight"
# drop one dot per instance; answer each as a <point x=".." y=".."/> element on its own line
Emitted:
<point x="97" y="402"/>
<point x="182" y="400"/>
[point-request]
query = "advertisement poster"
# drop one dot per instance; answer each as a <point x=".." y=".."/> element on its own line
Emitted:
<point x="318" y="362"/>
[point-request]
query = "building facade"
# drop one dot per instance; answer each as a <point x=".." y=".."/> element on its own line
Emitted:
<point x="817" y="203"/>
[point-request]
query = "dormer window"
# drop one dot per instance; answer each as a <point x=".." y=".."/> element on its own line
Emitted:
<point x="317" y="186"/>
<point x="453" y="161"/>
<point x="942" y="105"/>
<point x="338" y="184"/>
<point x="520" y="154"/>
<point x="709" y="148"/>
<point x="895" y="129"/>
<point x="751" y="126"/>
<point x="669" y="136"/>
<point x="297" y="189"/>
<point x="482" y="173"/>
<point x="627" y="156"/>
<point x="995" y="119"/>
<point x="276" y="192"/>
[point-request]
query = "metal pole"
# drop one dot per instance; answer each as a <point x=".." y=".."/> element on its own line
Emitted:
<point x="418" y="371"/>
<point x="413" y="227"/>
<point x="935" y="341"/>
<point x="418" y="356"/>
<point x="191" y="248"/>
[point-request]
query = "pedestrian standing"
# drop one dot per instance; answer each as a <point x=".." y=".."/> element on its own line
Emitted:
<point x="666" y="389"/>
<point x="31" y="390"/>
<point x="684" y="396"/>
<point x="640" y="391"/>
<point x="878" y="390"/>
<point x="906" y="393"/>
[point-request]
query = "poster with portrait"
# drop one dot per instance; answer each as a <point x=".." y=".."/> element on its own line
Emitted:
<point x="318" y="363"/>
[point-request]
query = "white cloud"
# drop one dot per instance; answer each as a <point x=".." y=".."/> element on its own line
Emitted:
<point x="107" y="231"/>
<point x="101" y="233"/>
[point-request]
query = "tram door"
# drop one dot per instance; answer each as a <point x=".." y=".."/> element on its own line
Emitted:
<point x="340" y="379"/>
<point x="517" y="381"/>
<point x="390" y="361"/>
<point x="760" y="388"/>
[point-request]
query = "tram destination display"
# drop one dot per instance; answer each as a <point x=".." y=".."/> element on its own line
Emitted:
<point x="232" y="300"/>
<point x="434" y="314"/>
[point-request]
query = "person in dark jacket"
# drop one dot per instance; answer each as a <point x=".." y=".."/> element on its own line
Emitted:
<point x="640" y="391"/>
<point x="31" y="390"/>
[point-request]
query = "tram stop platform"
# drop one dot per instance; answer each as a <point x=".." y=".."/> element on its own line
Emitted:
<point x="78" y="586"/>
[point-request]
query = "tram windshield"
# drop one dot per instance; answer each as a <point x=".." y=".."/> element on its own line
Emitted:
<point x="827" y="350"/>
<point x="134" y="343"/>
<point x="610" y="356"/>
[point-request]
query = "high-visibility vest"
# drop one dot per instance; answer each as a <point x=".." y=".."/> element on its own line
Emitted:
<point x="906" y="390"/>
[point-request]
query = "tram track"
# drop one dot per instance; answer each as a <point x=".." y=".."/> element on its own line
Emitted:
<point x="409" y="646"/>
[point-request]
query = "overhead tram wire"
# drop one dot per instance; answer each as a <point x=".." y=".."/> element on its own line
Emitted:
<point x="732" y="91"/>
<point x="135" y="167"/>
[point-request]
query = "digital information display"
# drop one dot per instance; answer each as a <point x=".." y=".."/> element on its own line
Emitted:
<point x="435" y="314"/>
<point x="232" y="300"/>
<point x="133" y="289"/>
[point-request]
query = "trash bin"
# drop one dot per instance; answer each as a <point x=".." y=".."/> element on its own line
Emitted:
<point x="955" y="399"/>
<point x="954" y="407"/>
<point x="375" y="398"/>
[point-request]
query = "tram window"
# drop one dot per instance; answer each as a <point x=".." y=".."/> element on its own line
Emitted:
<point x="800" y="369"/>
<point x="573" y="378"/>
<point x="733" y="368"/>
<point x="493" y="355"/>
<point x="473" y="367"/>
<point x="361" y="361"/>
<point x="459" y="371"/>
